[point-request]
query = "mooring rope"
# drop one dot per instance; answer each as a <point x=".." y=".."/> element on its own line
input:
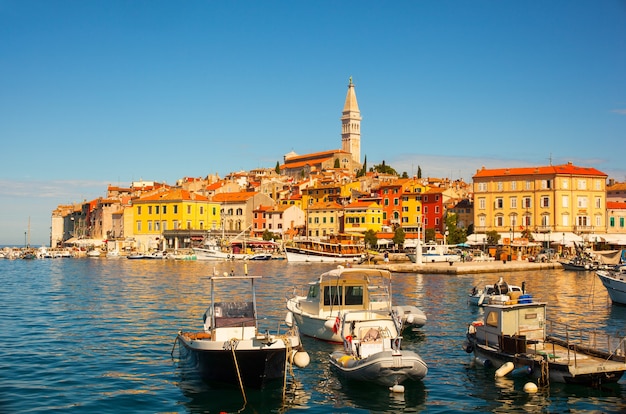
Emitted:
<point x="174" y="346"/>
<point x="233" y="344"/>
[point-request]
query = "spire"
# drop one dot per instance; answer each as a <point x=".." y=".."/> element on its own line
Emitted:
<point x="351" y="104"/>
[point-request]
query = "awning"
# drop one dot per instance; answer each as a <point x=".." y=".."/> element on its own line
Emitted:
<point x="476" y="239"/>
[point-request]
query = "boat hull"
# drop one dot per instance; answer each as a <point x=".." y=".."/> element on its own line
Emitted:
<point x="301" y="255"/>
<point x="615" y="286"/>
<point x="215" y="362"/>
<point x="386" y="368"/>
<point x="210" y="254"/>
<point x="558" y="372"/>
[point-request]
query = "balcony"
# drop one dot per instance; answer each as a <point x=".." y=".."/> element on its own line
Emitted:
<point x="583" y="229"/>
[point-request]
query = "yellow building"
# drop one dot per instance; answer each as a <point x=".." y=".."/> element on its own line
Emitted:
<point x="565" y="201"/>
<point x="412" y="209"/>
<point x="361" y="216"/>
<point x="323" y="219"/>
<point x="173" y="209"/>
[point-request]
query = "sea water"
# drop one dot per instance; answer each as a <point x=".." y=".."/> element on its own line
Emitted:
<point x="96" y="335"/>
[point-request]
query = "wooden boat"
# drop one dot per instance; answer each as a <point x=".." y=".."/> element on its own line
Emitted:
<point x="372" y="350"/>
<point x="342" y="290"/>
<point x="614" y="281"/>
<point x="482" y="296"/>
<point x="232" y="347"/>
<point x="339" y="248"/>
<point x="518" y="337"/>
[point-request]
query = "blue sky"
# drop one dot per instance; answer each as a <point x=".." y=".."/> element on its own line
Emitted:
<point x="106" y="92"/>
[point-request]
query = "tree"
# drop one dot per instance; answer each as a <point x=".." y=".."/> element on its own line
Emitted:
<point x="419" y="172"/>
<point x="363" y="170"/>
<point x="429" y="235"/>
<point x="405" y="175"/>
<point x="371" y="239"/>
<point x="527" y="234"/>
<point x="384" y="169"/>
<point x="398" y="236"/>
<point x="492" y="237"/>
<point x="277" y="169"/>
<point x="455" y="234"/>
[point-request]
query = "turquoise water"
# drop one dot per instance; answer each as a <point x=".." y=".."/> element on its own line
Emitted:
<point x="95" y="335"/>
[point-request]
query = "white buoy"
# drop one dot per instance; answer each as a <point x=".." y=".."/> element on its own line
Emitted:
<point x="397" y="388"/>
<point x="329" y="324"/>
<point x="504" y="369"/>
<point x="530" y="387"/>
<point x="289" y="319"/>
<point x="301" y="359"/>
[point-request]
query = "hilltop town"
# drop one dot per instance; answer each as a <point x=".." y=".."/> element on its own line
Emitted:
<point x="332" y="192"/>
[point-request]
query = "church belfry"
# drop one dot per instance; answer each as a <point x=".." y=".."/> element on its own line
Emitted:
<point x="351" y="125"/>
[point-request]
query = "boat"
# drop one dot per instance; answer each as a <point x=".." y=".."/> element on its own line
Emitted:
<point x="482" y="296"/>
<point x="232" y="348"/>
<point x="336" y="248"/>
<point x="136" y="255"/>
<point x="341" y="290"/>
<point x="260" y="256"/>
<point x="579" y="263"/>
<point x="94" y="253"/>
<point x="614" y="281"/>
<point x="518" y="338"/>
<point x="372" y="350"/>
<point x="436" y="253"/>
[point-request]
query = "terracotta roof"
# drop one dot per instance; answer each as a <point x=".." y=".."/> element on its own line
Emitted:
<point x="176" y="194"/>
<point x="362" y="204"/>
<point x="328" y="205"/>
<point x="565" y="169"/>
<point x="616" y="187"/>
<point x="233" y="197"/>
<point x="616" y="205"/>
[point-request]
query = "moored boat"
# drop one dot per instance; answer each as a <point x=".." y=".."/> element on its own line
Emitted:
<point x="372" y="351"/>
<point x="342" y="290"/>
<point x="232" y="348"/>
<point x="514" y="337"/>
<point x="614" y="281"/>
<point x="436" y="253"/>
<point x="339" y="248"/>
<point x="499" y="291"/>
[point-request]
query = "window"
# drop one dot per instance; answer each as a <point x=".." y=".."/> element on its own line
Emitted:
<point x="164" y="225"/>
<point x="499" y="186"/>
<point x="332" y="295"/>
<point x="526" y="203"/>
<point x="565" y="183"/>
<point x="201" y="210"/>
<point x="164" y="209"/>
<point x="529" y="185"/>
<point x="188" y="224"/>
<point x="149" y="209"/>
<point x="175" y="209"/>
<point x="598" y="202"/>
<point x="436" y="209"/>
<point x="499" y="203"/>
<point x="188" y="209"/>
<point x="582" y="184"/>
<point x="582" y="201"/>
<point x="156" y="209"/>
<point x="138" y="226"/>
<point x="546" y="184"/>
<point x="201" y="225"/>
<point x="482" y="187"/>
<point x="598" y="184"/>
<point x="482" y="221"/>
<point x="175" y="223"/>
<point x="621" y="222"/>
<point x="545" y="201"/>
<point x="157" y="226"/>
<point x="396" y="201"/>
<point x="386" y="201"/>
<point x="513" y="202"/>
<point x="612" y="222"/>
<point x="499" y="221"/>
<point x="545" y="220"/>
<point x="139" y="210"/>
<point x="149" y="223"/>
<point x="513" y="185"/>
<point x="565" y="220"/>
<point x="482" y="203"/>
<point x="565" y="201"/>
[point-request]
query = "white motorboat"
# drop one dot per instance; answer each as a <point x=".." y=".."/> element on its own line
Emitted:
<point x="436" y="253"/>
<point x="342" y="290"/>
<point x="232" y="347"/>
<point x="614" y="281"/>
<point x="372" y="350"/>
<point x="496" y="292"/>
<point x="519" y="338"/>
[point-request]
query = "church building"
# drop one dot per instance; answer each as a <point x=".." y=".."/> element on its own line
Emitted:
<point x="349" y="156"/>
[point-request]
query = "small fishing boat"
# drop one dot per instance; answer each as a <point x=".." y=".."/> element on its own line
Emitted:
<point x="260" y="256"/>
<point x="372" y="351"/>
<point x="232" y="348"/>
<point x="488" y="293"/>
<point x="518" y="338"/>
<point x="614" y="281"/>
<point x="341" y="290"/>
<point x="436" y="253"/>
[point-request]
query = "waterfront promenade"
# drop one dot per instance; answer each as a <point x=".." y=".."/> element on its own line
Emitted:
<point x="458" y="268"/>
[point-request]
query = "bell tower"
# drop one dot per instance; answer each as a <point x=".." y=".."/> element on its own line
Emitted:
<point x="351" y="125"/>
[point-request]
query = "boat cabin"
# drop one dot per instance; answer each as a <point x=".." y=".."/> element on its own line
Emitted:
<point x="511" y="327"/>
<point x="348" y="290"/>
